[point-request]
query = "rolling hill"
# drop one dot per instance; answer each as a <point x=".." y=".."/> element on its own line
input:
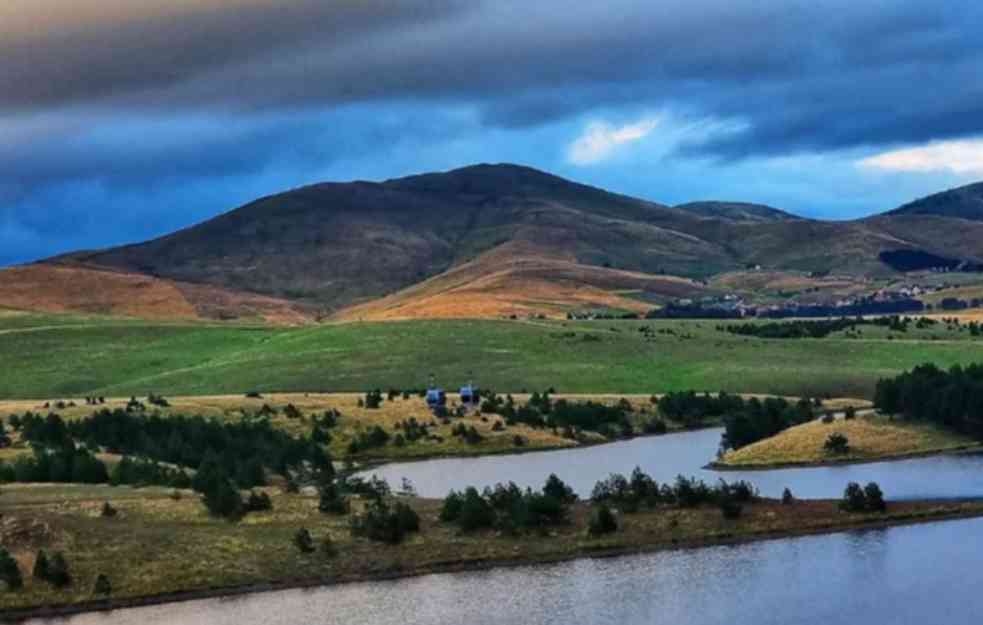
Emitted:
<point x="737" y="211"/>
<point x="481" y="241"/>
<point x="961" y="203"/>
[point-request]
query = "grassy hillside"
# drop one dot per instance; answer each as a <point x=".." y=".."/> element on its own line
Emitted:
<point x="514" y="279"/>
<point x="51" y="356"/>
<point x="871" y="437"/>
<point x="56" y="288"/>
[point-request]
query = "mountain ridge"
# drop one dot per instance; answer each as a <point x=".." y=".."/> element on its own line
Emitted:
<point x="379" y="247"/>
<point x="965" y="202"/>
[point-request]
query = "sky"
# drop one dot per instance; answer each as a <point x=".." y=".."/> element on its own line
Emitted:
<point x="123" y="120"/>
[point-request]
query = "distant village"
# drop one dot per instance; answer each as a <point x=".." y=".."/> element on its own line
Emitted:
<point x="901" y="299"/>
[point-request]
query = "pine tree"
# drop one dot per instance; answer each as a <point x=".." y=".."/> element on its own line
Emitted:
<point x="58" y="571"/>
<point x="223" y="500"/>
<point x="9" y="571"/>
<point x="303" y="541"/>
<point x="102" y="585"/>
<point x="41" y="567"/>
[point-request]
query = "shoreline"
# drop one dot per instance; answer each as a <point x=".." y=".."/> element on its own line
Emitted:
<point x="370" y="463"/>
<point x="481" y="564"/>
<point x="963" y="450"/>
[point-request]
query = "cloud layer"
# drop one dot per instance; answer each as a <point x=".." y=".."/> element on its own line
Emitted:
<point x="958" y="157"/>
<point x="601" y="139"/>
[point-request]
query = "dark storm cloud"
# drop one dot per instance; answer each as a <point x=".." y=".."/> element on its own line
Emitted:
<point x="805" y="75"/>
<point x="54" y="52"/>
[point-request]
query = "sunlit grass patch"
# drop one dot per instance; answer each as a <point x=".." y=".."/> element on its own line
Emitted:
<point x="870" y="438"/>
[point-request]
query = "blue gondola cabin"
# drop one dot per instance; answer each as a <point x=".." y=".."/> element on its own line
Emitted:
<point x="469" y="395"/>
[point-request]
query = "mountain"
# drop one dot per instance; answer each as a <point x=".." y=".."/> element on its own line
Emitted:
<point x="737" y="211"/>
<point x="961" y="203"/>
<point x="485" y="240"/>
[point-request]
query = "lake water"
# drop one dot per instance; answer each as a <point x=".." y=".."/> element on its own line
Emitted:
<point x="923" y="574"/>
<point x="665" y="457"/>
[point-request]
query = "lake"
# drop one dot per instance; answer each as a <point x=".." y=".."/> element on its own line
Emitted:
<point x="918" y="574"/>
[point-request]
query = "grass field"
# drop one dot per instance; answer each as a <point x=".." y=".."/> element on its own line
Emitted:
<point x="871" y="437"/>
<point x="48" y="356"/>
<point x="159" y="544"/>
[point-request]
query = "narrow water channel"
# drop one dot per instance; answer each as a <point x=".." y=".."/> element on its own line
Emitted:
<point x="665" y="457"/>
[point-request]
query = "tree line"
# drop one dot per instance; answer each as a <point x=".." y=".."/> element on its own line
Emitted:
<point x="813" y="328"/>
<point x="952" y="399"/>
<point x="508" y="508"/>
<point x="247" y="448"/>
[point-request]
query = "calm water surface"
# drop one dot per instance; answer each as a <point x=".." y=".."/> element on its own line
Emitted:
<point x="665" y="457"/>
<point x="923" y="575"/>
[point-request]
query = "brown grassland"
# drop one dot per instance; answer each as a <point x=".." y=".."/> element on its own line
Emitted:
<point x="355" y="419"/>
<point x="71" y="288"/>
<point x="519" y="279"/>
<point x="871" y="437"/>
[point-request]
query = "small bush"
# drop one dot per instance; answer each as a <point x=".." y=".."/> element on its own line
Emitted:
<point x="332" y="501"/>
<point x="828" y="418"/>
<point x="656" y="426"/>
<point x="303" y="541"/>
<point x="875" y="497"/>
<point x="58" y="573"/>
<point x="41" y="571"/>
<point x="602" y="521"/>
<point x="837" y="443"/>
<point x="557" y="488"/>
<point x="451" y="510"/>
<point x="9" y="571"/>
<point x="854" y="498"/>
<point x="373" y="399"/>
<point x="731" y="508"/>
<point x="850" y="413"/>
<point x="108" y="510"/>
<point x="223" y="499"/>
<point x="476" y="512"/>
<point x="385" y="522"/>
<point x="102" y="586"/>
<point x="328" y="547"/>
<point x="258" y="502"/>
<point x="787" y="498"/>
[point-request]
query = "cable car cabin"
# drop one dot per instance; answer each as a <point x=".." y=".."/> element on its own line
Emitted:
<point x="469" y="395"/>
<point x="436" y="398"/>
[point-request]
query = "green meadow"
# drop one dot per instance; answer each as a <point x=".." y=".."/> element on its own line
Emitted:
<point x="52" y="356"/>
